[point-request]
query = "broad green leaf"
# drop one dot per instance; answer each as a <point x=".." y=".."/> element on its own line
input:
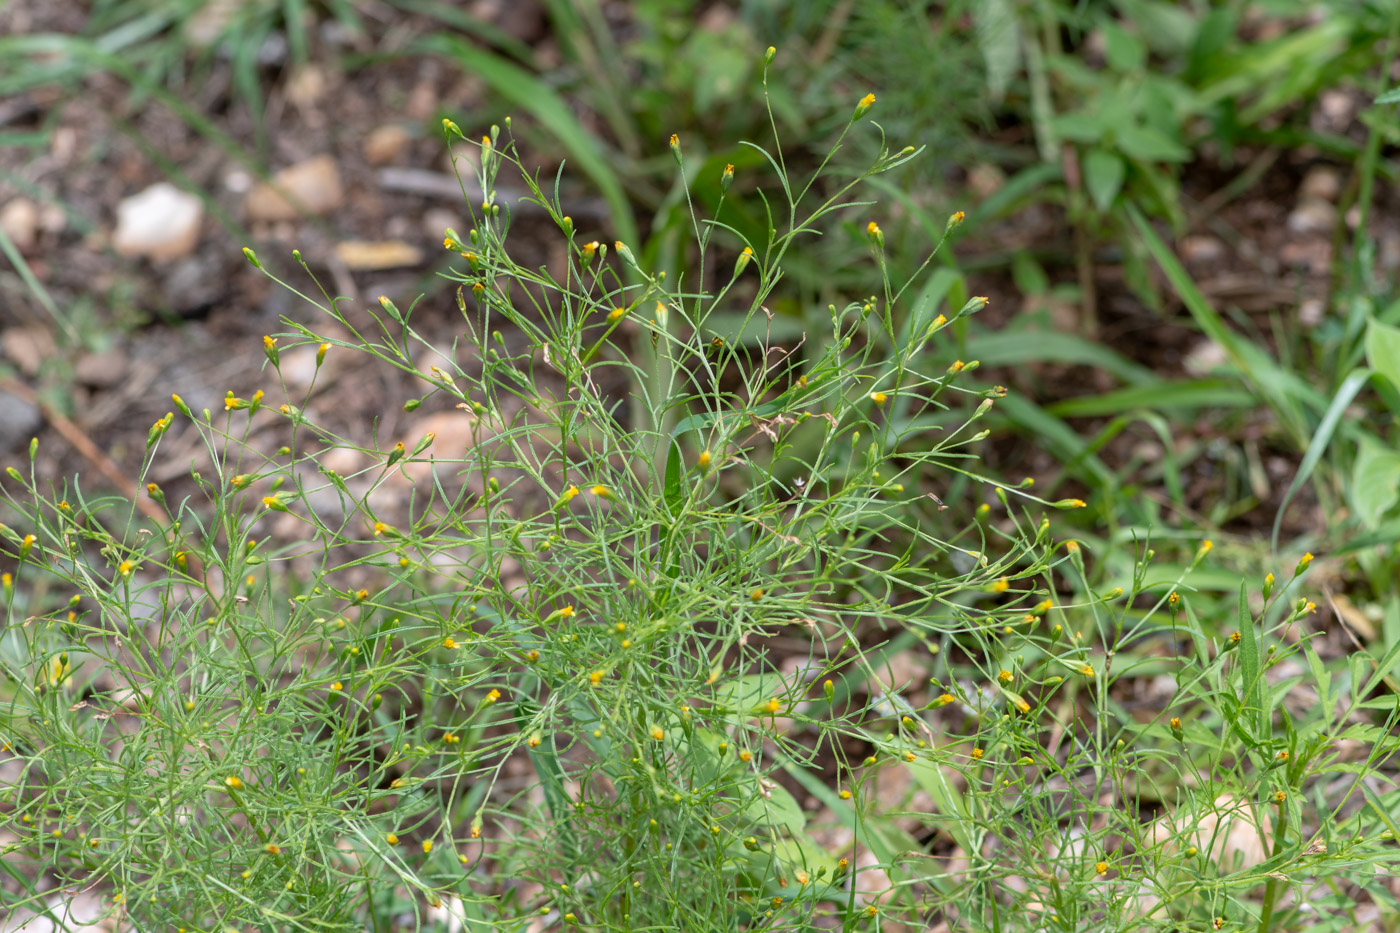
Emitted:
<point x="1123" y="50"/>
<point x="1391" y="96"/>
<point x="778" y="808"/>
<point x="1320" y="439"/>
<point x="951" y="810"/>
<point x="1018" y="347"/>
<point x="1383" y="350"/>
<point x="672" y="493"/>
<point x="747" y="693"/>
<point x="1383" y="669"/>
<point x="1168" y="27"/>
<point x="1159" y="395"/>
<point x="1150" y="145"/>
<point x="1322" y="681"/>
<point x="1253" y="691"/>
<point x="1103" y="176"/>
<point x="1375" y="482"/>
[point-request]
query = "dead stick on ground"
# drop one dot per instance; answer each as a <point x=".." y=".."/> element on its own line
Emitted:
<point x="84" y="445"/>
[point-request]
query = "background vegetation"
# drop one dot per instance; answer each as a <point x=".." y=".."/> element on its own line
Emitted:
<point x="1182" y="216"/>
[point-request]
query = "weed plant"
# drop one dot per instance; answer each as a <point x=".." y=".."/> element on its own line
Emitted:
<point x="629" y="660"/>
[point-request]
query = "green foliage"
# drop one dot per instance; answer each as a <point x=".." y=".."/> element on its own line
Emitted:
<point x="716" y="623"/>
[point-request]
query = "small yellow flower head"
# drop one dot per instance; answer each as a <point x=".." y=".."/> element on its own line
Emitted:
<point x="337" y="686"/>
<point x="595" y="678"/>
<point x="845" y="795"/>
<point x="1043" y="607"/>
<point x="1303" y="563"/>
<point x="1001" y="586"/>
<point x="125" y="568"/>
<point x="740" y="265"/>
<point x="745" y="755"/>
<point x="1175" y="724"/>
<point x="658" y="733"/>
<point x="1023" y="706"/>
<point x="601" y="491"/>
<point x="1005" y="676"/>
<point x="1206" y="546"/>
<point x="872" y="910"/>
<point x="534" y="741"/>
<point x="1281" y="756"/>
<point x="756" y="593"/>
<point x="1280" y="797"/>
<point x="616" y="314"/>
<point x="1235" y="638"/>
<point x="1173" y="599"/>
<point x="909" y="756"/>
<point x="427" y="846"/>
<point x="977" y="754"/>
<point x="879" y="398"/>
<point x="566" y="611"/>
<point x="773" y="705"/>
<point x="272" y="848"/>
<point x="1310" y="607"/>
<point x="1101" y="868"/>
<point x="675" y="142"/>
<point x="392" y="839"/>
<point x="703" y="461"/>
<point x="1087" y="670"/>
<point x="956" y="367"/>
<point x="1218" y="923"/>
<point x="493" y="696"/>
<point x="449" y="643"/>
<point x="726" y="178"/>
<point x="876" y="235"/>
<point x="863" y="107"/>
<point x="234" y="782"/>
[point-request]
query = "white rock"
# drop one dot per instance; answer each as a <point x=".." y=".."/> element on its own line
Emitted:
<point x="386" y="143"/>
<point x="1204" y="358"/>
<point x="313" y="184"/>
<point x="161" y="223"/>
<point x="1310" y="312"/>
<point x="1322" y="182"/>
<point x="20" y="221"/>
<point x="27" y="347"/>
<point x="1201" y="248"/>
<point x="1313" y="215"/>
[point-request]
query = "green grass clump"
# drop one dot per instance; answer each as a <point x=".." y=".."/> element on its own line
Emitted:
<point x="627" y="658"/>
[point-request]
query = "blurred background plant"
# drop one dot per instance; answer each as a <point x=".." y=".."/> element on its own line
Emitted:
<point x="1183" y="215"/>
